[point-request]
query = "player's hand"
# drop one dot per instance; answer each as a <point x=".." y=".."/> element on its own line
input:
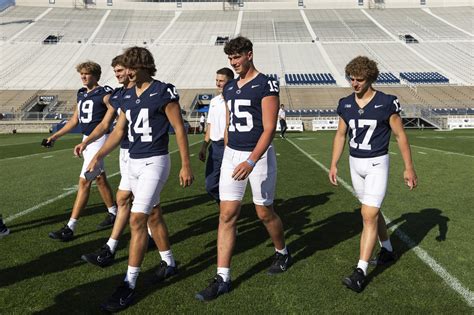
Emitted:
<point x="186" y="176"/>
<point x="242" y="171"/>
<point x="78" y="149"/>
<point x="333" y="175"/>
<point x="49" y="142"/>
<point x="92" y="165"/>
<point x="202" y="154"/>
<point x="410" y="178"/>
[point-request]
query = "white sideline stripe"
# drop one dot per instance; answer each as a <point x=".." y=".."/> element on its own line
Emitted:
<point x="422" y="152"/>
<point x="30" y="155"/>
<point x="63" y="195"/>
<point x="450" y="280"/>
<point x="442" y="151"/>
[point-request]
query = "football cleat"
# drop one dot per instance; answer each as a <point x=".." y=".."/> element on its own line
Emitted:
<point x="280" y="263"/>
<point x="355" y="281"/>
<point x="120" y="299"/>
<point x="102" y="258"/>
<point x="383" y="257"/>
<point x="108" y="222"/>
<point x="216" y="287"/>
<point x="163" y="272"/>
<point x="63" y="234"/>
<point x="4" y="231"/>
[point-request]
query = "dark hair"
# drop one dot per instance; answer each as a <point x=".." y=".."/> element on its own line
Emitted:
<point x="139" y="58"/>
<point x="238" y="45"/>
<point x="117" y="61"/>
<point x="364" y="67"/>
<point x="90" y="66"/>
<point x="227" y="72"/>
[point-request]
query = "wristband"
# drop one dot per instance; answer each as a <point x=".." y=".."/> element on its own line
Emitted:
<point x="250" y="162"/>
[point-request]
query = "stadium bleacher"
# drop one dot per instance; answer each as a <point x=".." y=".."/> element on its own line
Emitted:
<point x="424" y="77"/>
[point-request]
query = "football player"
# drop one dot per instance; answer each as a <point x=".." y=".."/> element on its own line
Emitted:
<point x="369" y="116"/>
<point x="148" y="109"/>
<point x="216" y="125"/>
<point x="92" y="107"/>
<point x="252" y="102"/>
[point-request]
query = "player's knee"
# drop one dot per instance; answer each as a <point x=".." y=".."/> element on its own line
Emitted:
<point x="122" y="199"/>
<point x="138" y="222"/>
<point x="84" y="184"/>
<point x="228" y="217"/>
<point x="101" y="180"/>
<point x="155" y="217"/>
<point x="265" y="214"/>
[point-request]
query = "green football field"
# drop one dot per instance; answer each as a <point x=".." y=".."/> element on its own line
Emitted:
<point x="431" y="229"/>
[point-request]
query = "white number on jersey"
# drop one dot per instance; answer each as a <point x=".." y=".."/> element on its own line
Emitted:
<point x="142" y="126"/>
<point x="361" y="124"/>
<point x="273" y="86"/>
<point x="173" y="93"/>
<point x="248" y="117"/>
<point x="85" y="108"/>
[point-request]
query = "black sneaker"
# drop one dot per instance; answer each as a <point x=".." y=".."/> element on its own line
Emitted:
<point x="355" y="281"/>
<point x="280" y="263"/>
<point x="108" y="222"/>
<point x="4" y="231"/>
<point x="216" y="287"/>
<point x="120" y="299"/>
<point x="383" y="257"/>
<point x="63" y="234"/>
<point x="102" y="258"/>
<point x="163" y="272"/>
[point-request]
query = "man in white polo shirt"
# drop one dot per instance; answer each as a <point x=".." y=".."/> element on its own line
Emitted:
<point x="216" y="121"/>
<point x="282" y="117"/>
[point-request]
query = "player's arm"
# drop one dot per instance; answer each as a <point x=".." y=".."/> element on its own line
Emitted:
<point x="409" y="174"/>
<point x="68" y="127"/>
<point x="205" y="143"/>
<point x="269" y="120"/>
<point x="112" y="141"/>
<point x="337" y="149"/>
<point x="173" y="112"/>
<point x="99" y="130"/>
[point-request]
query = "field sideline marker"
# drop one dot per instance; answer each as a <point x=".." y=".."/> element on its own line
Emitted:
<point x="450" y="280"/>
<point x="63" y="195"/>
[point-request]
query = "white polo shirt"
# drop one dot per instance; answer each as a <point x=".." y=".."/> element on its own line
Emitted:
<point x="281" y="114"/>
<point x="216" y="117"/>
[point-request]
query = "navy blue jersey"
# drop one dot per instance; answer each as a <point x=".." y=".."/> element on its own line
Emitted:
<point x="91" y="108"/>
<point x="368" y="128"/>
<point x="116" y="102"/>
<point x="245" y="109"/>
<point x="147" y="122"/>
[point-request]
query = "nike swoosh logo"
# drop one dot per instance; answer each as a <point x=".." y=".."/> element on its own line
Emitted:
<point x="377" y="106"/>
<point x="375" y="164"/>
<point x="153" y="94"/>
<point x="282" y="267"/>
<point x="254" y="86"/>
<point x="99" y="259"/>
<point x="146" y="164"/>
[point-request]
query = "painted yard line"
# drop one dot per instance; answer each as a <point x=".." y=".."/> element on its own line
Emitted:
<point x="441" y="151"/>
<point x="30" y="155"/>
<point x="47" y="157"/>
<point x="422" y="152"/>
<point x="63" y="195"/>
<point x="450" y="280"/>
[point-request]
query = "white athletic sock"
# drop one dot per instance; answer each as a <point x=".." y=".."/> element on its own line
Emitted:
<point x="224" y="273"/>
<point x="167" y="256"/>
<point x="72" y="224"/>
<point x="363" y="265"/>
<point x="387" y="245"/>
<point x="131" y="276"/>
<point x="112" y="244"/>
<point x="283" y="251"/>
<point x="112" y="210"/>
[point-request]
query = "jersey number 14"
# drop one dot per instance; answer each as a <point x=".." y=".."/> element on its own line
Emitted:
<point x="141" y="126"/>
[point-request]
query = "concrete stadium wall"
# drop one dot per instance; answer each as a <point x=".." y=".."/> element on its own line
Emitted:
<point x="250" y="4"/>
<point x="26" y="127"/>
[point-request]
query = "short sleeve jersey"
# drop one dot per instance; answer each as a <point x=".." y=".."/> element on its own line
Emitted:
<point x="369" y="128"/>
<point x="116" y="102"/>
<point x="91" y="108"/>
<point x="245" y="109"/>
<point x="148" y="124"/>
